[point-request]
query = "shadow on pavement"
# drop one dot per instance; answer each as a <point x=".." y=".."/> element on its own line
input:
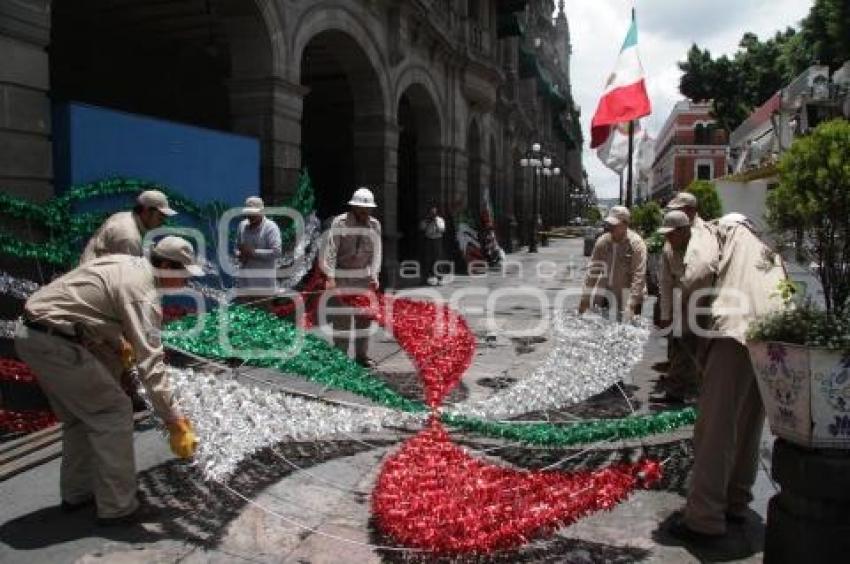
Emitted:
<point x="741" y="541"/>
<point x="186" y="507"/>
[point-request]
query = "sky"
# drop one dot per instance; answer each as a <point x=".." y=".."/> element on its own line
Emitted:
<point x="666" y="30"/>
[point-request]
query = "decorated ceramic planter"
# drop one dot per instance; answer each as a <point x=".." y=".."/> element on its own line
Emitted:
<point x="806" y="392"/>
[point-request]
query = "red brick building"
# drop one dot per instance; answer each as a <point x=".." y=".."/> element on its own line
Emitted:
<point x="690" y="146"/>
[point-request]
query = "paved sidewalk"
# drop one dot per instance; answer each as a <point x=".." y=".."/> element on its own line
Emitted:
<point x="309" y="503"/>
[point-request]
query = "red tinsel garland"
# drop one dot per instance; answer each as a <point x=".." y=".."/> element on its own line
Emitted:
<point x="26" y="421"/>
<point x="16" y="371"/>
<point x="433" y="495"/>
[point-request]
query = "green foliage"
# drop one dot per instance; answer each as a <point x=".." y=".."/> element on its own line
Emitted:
<point x="805" y="325"/>
<point x="708" y="199"/>
<point x="739" y="84"/>
<point x="593" y="215"/>
<point x="813" y="200"/>
<point x="647" y="218"/>
<point x="655" y="243"/>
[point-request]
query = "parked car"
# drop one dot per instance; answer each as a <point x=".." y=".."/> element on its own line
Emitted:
<point x="591" y="234"/>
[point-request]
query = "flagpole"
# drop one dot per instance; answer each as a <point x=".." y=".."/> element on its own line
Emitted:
<point x="621" y="188"/>
<point x="630" y="180"/>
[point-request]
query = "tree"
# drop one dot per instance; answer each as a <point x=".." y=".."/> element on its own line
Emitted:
<point x="709" y="206"/>
<point x="593" y="215"/>
<point x="814" y="196"/>
<point x="647" y="218"/>
<point x="739" y="84"/>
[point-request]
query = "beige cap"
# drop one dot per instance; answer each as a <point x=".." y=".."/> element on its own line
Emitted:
<point x="618" y="215"/>
<point x="674" y="219"/>
<point x="253" y="206"/>
<point x="179" y="250"/>
<point x="157" y="200"/>
<point x="682" y="200"/>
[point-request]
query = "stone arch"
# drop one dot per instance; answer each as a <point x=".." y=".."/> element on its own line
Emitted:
<point x="474" y="153"/>
<point x="324" y="17"/>
<point x="420" y="163"/>
<point x="420" y="77"/>
<point x="343" y="127"/>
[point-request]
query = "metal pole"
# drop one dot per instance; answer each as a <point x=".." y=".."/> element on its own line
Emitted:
<point x="630" y="181"/>
<point x="532" y="247"/>
<point x="621" y="188"/>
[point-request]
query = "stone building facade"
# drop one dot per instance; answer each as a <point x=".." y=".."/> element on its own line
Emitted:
<point x="427" y="101"/>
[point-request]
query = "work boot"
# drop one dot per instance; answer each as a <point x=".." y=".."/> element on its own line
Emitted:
<point x="144" y="513"/>
<point x="68" y="507"/>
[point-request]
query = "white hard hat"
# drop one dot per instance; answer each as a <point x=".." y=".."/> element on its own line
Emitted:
<point x="363" y="198"/>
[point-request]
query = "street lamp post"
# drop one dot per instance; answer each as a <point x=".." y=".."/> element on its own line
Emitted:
<point x="541" y="166"/>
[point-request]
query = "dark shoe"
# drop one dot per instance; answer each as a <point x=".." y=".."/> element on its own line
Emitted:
<point x="680" y="531"/>
<point x="661" y="366"/>
<point x="68" y="507"/>
<point x="367" y="363"/>
<point x="668" y="398"/>
<point x="144" y="513"/>
<point x="736" y="518"/>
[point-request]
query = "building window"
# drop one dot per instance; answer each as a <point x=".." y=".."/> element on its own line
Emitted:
<point x="704" y="170"/>
<point x="703" y="133"/>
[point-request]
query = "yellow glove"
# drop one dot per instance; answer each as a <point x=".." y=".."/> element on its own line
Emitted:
<point x="182" y="438"/>
<point x="128" y="356"/>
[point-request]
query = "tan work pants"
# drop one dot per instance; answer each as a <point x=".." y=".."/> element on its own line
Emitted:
<point x="683" y="375"/>
<point x="726" y="438"/>
<point x="97" y="417"/>
<point x="341" y="323"/>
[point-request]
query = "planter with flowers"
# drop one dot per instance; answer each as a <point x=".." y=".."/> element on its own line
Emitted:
<point x="802" y="355"/>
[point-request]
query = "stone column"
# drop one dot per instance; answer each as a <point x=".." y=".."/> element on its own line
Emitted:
<point x="376" y="166"/>
<point x="26" y="162"/>
<point x="271" y="110"/>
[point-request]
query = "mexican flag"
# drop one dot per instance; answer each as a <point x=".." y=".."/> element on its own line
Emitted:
<point x="625" y="98"/>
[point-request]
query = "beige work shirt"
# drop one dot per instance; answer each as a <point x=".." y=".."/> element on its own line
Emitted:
<point x="748" y="278"/>
<point x="619" y="268"/>
<point x="121" y="234"/>
<point x="689" y="271"/>
<point x="353" y="246"/>
<point x="100" y="302"/>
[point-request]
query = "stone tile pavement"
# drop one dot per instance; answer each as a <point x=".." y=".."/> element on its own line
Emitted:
<point x="309" y="503"/>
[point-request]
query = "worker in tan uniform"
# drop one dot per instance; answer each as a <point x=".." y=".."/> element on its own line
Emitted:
<point x="72" y="335"/>
<point x="617" y="268"/>
<point x="682" y="378"/>
<point x="731" y="414"/>
<point x="351" y="258"/>
<point x="123" y="232"/>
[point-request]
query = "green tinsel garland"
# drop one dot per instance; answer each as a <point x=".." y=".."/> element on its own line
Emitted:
<point x="547" y="434"/>
<point x="69" y="229"/>
<point x="253" y="330"/>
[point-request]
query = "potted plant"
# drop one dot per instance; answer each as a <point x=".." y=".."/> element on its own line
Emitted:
<point x="802" y="355"/>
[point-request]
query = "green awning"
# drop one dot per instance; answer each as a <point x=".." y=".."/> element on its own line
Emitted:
<point x="511" y="6"/>
<point x="508" y="25"/>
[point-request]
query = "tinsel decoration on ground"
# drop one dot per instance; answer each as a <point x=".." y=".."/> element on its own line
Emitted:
<point x="24" y="407"/>
<point x="15" y="287"/>
<point x="581" y="432"/>
<point x="433" y="495"/>
<point x="437" y="339"/>
<point x="233" y="419"/>
<point x="251" y="331"/>
<point x="590" y="355"/>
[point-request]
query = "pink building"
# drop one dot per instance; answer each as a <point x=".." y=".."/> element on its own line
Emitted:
<point x="690" y="146"/>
